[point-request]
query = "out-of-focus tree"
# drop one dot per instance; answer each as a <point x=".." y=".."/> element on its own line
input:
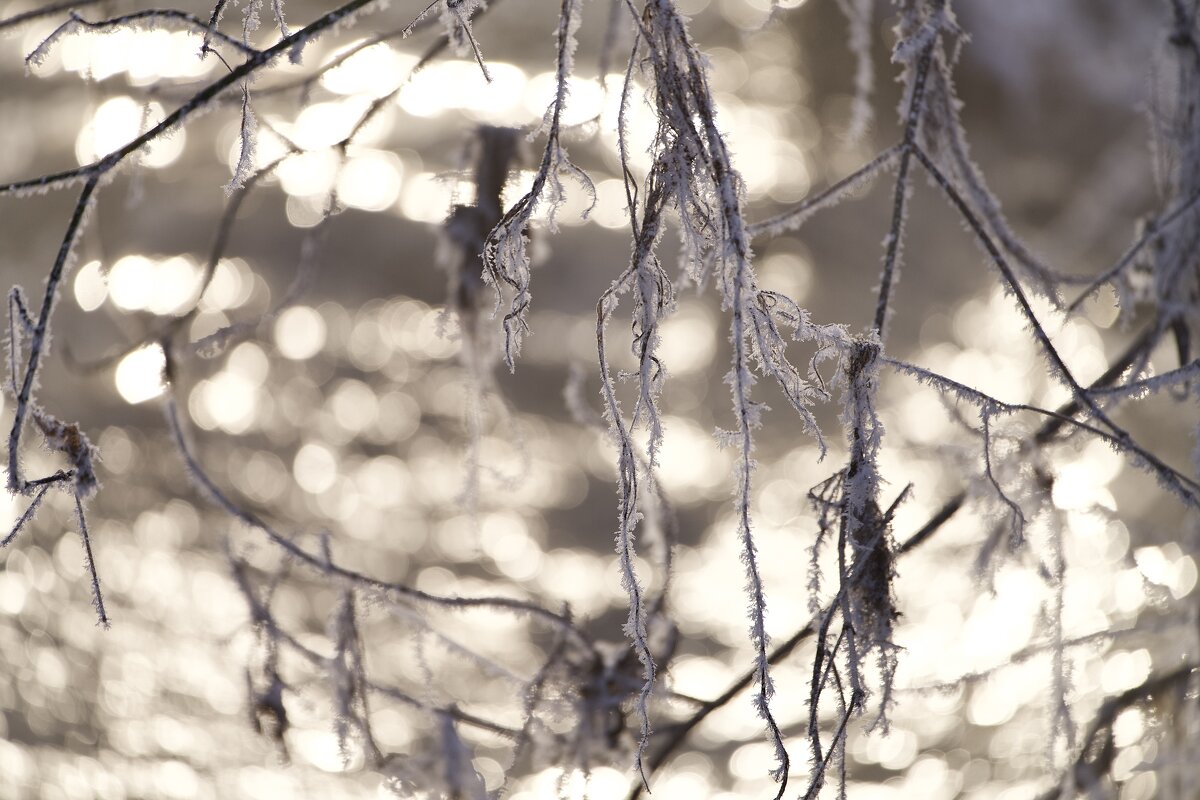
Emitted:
<point x="296" y="506"/>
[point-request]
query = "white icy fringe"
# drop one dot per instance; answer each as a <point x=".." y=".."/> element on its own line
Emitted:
<point x="246" y="145"/>
<point x="922" y="32"/>
<point x="1184" y="487"/>
<point x="628" y="517"/>
<point x="849" y="503"/>
<point x="692" y="172"/>
<point x="277" y="12"/>
<point x="65" y="438"/>
<point x="456" y="19"/>
<point x="506" y="254"/>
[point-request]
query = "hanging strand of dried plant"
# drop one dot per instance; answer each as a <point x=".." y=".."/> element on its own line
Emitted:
<point x="506" y="258"/>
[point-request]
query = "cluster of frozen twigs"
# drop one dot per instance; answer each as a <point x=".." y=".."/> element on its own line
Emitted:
<point x="692" y="185"/>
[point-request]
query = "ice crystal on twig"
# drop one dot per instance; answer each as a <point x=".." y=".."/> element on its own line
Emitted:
<point x="506" y="253"/>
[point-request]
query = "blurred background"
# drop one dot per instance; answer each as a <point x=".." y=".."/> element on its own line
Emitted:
<point x="347" y="411"/>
